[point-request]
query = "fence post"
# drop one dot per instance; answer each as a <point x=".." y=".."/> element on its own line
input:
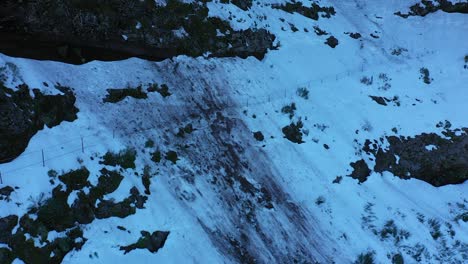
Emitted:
<point x="82" y="145"/>
<point x="43" y="160"/>
<point x="1" y="180"/>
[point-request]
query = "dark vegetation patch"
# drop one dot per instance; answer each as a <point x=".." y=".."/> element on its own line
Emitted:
<point x="313" y="12"/>
<point x="22" y="116"/>
<point x="365" y="258"/>
<point x="152" y="242"/>
<point x="77" y="31"/>
<point x="117" y="95"/>
<point x="293" y="132"/>
<point x="429" y="157"/>
<point x="54" y="214"/>
<point x="125" y="158"/>
<point x="188" y="129"/>
<point x="258" y="136"/>
<point x="332" y="42"/>
<point x="172" y="156"/>
<point x="354" y="35"/>
<point x="398" y="51"/>
<point x="303" y="92"/>
<point x="242" y="4"/>
<point x="162" y="89"/>
<point x="360" y="170"/>
<point x="431" y="6"/>
<point x="289" y="110"/>
<point x="425" y="76"/>
<point x="156" y="156"/>
<point x="384" y="100"/>
<point x="319" y="31"/>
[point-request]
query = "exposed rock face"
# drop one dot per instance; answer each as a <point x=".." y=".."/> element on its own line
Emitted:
<point x="77" y="31"/>
<point x="427" y="7"/>
<point x="22" y="115"/>
<point x="312" y="12"/>
<point x="428" y="157"/>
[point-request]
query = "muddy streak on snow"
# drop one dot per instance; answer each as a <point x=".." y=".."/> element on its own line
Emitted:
<point x="223" y="179"/>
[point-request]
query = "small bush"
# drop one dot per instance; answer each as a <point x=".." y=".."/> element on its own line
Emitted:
<point x="435" y="228"/>
<point x="303" y="92"/>
<point x="172" y="156"/>
<point x="289" y="109"/>
<point x="365" y="258"/>
<point x="320" y="200"/>
<point x="425" y="76"/>
<point x="367" y="81"/>
<point x="149" y="143"/>
<point x="125" y="158"/>
<point x="293" y="132"/>
<point x="156" y="156"/>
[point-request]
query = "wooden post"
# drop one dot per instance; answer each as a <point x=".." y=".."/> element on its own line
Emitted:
<point x="1" y="180"/>
<point x="43" y="160"/>
<point x="82" y="145"/>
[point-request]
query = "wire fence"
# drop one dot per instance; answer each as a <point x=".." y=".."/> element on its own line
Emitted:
<point x="82" y="143"/>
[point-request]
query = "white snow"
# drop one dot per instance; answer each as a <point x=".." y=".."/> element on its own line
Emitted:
<point x="337" y="99"/>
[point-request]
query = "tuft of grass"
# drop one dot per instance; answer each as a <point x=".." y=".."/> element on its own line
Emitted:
<point x="303" y="92"/>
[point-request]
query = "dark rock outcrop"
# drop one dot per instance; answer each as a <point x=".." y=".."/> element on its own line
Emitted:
<point x="55" y="214"/>
<point x="427" y="7"/>
<point x="6" y="226"/>
<point x="429" y="157"/>
<point x="312" y="12"/>
<point x="22" y="115"/>
<point x="77" y="31"/>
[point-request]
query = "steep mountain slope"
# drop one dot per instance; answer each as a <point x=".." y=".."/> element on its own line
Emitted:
<point x="229" y="194"/>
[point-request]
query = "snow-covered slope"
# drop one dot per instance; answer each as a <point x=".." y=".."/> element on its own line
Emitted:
<point x="230" y="198"/>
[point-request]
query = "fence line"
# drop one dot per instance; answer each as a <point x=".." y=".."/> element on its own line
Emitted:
<point x="235" y="105"/>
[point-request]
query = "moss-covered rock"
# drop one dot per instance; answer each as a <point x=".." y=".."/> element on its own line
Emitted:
<point x="75" y="179"/>
<point x="21" y="116"/>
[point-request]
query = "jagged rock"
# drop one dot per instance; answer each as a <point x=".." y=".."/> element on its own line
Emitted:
<point x="21" y="116"/>
<point x="427" y="157"/>
<point x="77" y="31"/>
